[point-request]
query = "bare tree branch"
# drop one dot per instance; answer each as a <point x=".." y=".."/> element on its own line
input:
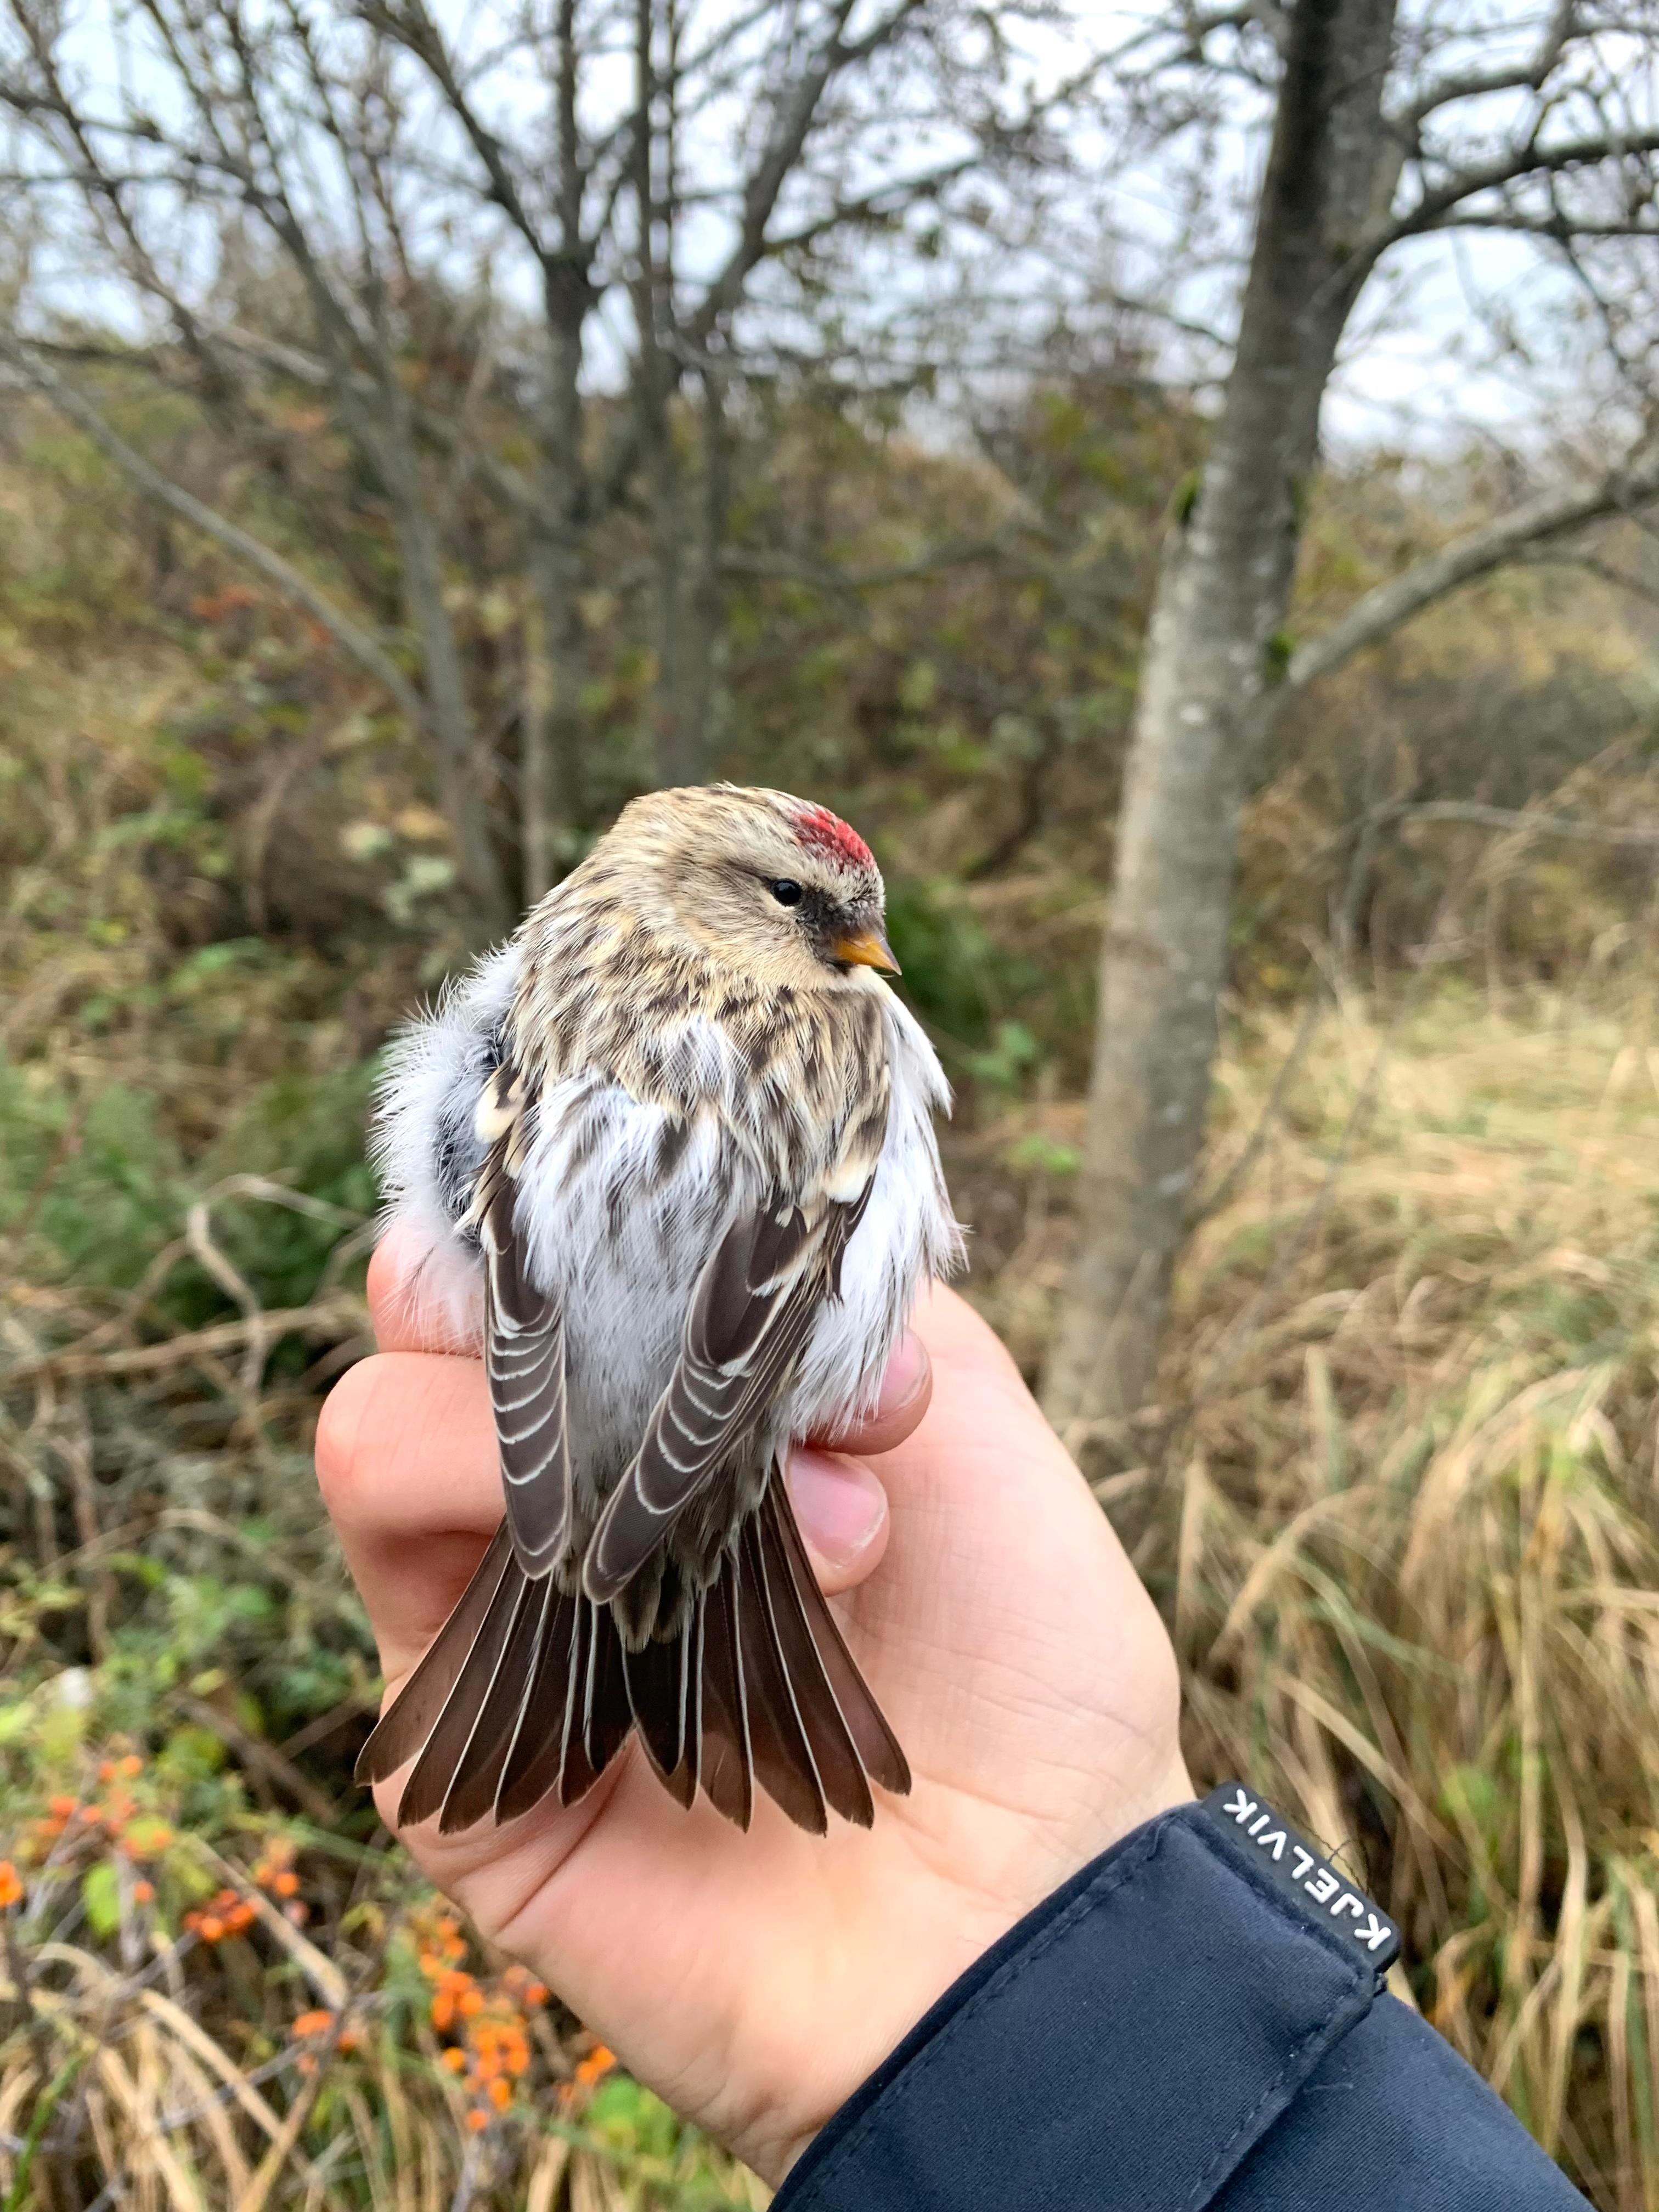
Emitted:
<point x="1381" y="611"/>
<point x="781" y="154"/>
<point x="504" y="480"/>
<point x="1512" y="166"/>
<point x="1475" y="84"/>
<point x="356" y="643"/>
<point x="1541" y="825"/>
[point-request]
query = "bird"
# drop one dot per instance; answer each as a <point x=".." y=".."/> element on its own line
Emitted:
<point x="669" y="1156"/>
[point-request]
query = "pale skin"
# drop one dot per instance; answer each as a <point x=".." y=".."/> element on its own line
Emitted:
<point x="754" y="1981"/>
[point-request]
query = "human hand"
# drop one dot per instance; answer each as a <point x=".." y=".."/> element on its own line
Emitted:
<point x="754" y="1981"/>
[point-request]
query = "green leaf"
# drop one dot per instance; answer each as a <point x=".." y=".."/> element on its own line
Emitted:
<point x="101" y="1894"/>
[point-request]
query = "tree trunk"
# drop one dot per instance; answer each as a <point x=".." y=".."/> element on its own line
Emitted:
<point x="447" y="712"/>
<point x="537" y="806"/>
<point x="555" y="673"/>
<point x="1213" y="653"/>
<point x="555" y="647"/>
<point x="678" y="747"/>
<point x="688" y="525"/>
<point x="705" y="603"/>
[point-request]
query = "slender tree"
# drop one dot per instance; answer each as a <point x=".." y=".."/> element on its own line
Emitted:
<point x="1377" y="138"/>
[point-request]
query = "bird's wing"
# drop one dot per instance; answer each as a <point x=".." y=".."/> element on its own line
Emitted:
<point x="523" y="1347"/>
<point x="754" y="1303"/>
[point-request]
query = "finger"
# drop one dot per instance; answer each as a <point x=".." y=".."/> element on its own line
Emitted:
<point x="407" y="1459"/>
<point x="906" y="1388"/>
<point x="418" y="1295"/>
<point x="841" y="1509"/>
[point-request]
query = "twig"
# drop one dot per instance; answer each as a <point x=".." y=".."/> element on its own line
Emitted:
<point x="255" y="1752"/>
<point x="1226" y="1353"/>
<point x="338" y="1315"/>
<point x="355" y="643"/>
<point x="1540" y="825"/>
<point x="1270" y="1112"/>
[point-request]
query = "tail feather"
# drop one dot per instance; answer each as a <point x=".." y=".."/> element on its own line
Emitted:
<point x="878" y="1748"/>
<point x="657" y="1694"/>
<point x="533" y="1765"/>
<point x="728" y="1765"/>
<point x="835" y="1754"/>
<point x="471" y="1792"/>
<point x="683" y="1783"/>
<point x="609" y="1716"/>
<point x="528" y="1692"/>
<point x="446" y="1748"/>
<point x="403" y="1731"/>
<point x="576" y="1772"/>
<point x="784" y="1764"/>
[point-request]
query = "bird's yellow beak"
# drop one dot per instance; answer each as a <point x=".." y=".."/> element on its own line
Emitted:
<point x="866" y="948"/>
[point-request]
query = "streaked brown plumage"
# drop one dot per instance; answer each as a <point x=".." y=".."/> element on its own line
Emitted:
<point x="686" y="1130"/>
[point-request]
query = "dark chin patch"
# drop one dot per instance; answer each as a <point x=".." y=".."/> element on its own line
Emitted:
<point x="824" y="921"/>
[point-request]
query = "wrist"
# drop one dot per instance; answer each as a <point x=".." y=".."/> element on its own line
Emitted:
<point x="965" y="1920"/>
<point x="1152" y="2018"/>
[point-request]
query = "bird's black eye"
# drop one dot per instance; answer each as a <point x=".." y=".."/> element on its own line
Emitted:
<point x="786" y="891"/>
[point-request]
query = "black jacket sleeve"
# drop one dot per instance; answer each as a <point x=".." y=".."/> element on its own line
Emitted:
<point x="1169" y="2032"/>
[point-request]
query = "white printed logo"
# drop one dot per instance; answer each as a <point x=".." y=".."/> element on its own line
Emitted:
<point x="1317" y="1881"/>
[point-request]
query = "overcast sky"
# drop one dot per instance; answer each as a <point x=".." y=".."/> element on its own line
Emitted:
<point x="1419" y="370"/>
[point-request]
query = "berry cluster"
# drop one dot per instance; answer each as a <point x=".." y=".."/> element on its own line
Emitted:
<point x="228" y="1913"/>
<point x="114" y="1819"/>
<point x="488" y="2017"/>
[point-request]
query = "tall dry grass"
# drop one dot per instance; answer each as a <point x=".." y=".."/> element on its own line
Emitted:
<point x="1407" y="1530"/>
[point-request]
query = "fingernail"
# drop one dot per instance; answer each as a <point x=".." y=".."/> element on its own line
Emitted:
<point x="839" y="1503"/>
<point x="906" y="1375"/>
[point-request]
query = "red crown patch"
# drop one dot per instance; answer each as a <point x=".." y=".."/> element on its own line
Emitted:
<point x="821" y="831"/>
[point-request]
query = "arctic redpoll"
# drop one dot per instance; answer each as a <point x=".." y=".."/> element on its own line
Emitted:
<point x="671" y="1151"/>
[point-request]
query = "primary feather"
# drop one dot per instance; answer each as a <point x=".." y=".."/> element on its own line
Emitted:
<point x="672" y="1156"/>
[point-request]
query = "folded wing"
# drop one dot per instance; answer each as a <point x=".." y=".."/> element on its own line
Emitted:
<point x="753" y="1309"/>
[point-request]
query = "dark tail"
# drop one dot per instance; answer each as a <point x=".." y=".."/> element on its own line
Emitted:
<point x="527" y="1691"/>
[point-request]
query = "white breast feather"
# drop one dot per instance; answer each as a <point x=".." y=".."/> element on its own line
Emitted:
<point x="620" y="1246"/>
<point x="908" y="1234"/>
<point x="434" y="1073"/>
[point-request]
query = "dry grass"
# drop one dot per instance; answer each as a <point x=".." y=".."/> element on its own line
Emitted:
<point x="1406" y="1524"/>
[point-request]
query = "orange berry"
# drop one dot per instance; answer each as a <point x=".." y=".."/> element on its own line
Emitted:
<point x="286" y="1884"/>
<point x="129" y="1765"/>
<point x="501" y="2094"/>
<point x="11" y="1887"/>
<point x="313" y="2023"/>
<point x="106" y="1769"/>
<point x="62" y="1808"/>
<point x="442" y="2013"/>
<point x="472" y="2003"/>
<point x="453" y="2058"/>
<point x="209" y="1928"/>
<point x="143" y="1893"/>
<point x="537" y="1994"/>
<point x="477" y="2122"/>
